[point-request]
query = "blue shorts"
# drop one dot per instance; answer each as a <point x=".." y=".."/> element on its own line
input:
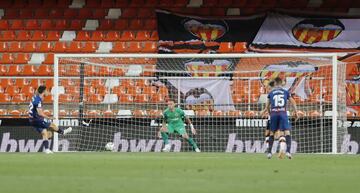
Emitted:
<point x="40" y="124"/>
<point x="279" y="121"/>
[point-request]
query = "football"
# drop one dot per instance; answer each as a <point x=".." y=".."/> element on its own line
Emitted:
<point x="109" y="146"/>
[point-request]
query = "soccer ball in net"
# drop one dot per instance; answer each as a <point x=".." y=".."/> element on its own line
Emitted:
<point x="109" y="146"/>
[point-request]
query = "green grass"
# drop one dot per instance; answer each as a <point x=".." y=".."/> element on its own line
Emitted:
<point x="177" y="172"/>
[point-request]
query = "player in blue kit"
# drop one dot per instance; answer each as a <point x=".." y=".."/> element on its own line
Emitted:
<point x="279" y="121"/>
<point x="40" y="121"/>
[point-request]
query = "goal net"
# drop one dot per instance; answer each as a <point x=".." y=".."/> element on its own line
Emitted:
<point x="120" y="98"/>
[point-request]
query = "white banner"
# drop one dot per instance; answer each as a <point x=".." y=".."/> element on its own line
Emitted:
<point x="286" y="30"/>
<point x="200" y="91"/>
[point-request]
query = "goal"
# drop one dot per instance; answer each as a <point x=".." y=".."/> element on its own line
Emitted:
<point x="120" y="98"/>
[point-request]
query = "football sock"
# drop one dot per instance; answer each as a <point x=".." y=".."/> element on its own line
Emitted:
<point x="46" y="143"/>
<point x="192" y="143"/>
<point x="165" y="137"/>
<point x="271" y="142"/>
<point x="288" y="143"/>
<point x="61" y="131"/>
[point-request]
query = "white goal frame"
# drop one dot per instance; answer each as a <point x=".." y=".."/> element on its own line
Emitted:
<point x="332" y="56"/>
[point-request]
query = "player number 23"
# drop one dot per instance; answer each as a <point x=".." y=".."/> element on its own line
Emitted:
<point x="279" y="100"/>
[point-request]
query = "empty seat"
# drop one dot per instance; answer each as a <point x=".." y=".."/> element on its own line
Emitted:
<point x="134" y="47"/>
<point x="7" y="35"/>
<point x="7" y="58"/>
<point x="46" y="24"/>
<point x="240" y="47"/>
<point x="41" y="13"/>
<point x="112" y="36"/>
<point x="22" y="58"/>
<point x="82" y="36"/>
<point x="225" y="47"/>
<point x="44" y="70"/>
<point x="97" y="36"/>
<point x="127" y="36"/>
<point x="142" y="35"/>
<point x="26" y="14"/>
<point x="12" y="90"/>
<point x="23" y="35"/>
<point x="59" y="47"/>
<point x="150" y="24"/>
<point x="17" y="24"/>
<point x="76" y="24"/>
<point x="27" y="90"/>
<point x="52" y="36"/>
<point x="61" y="24"/>
<point x="37" y="36"/>
<point x="49" y="59"/>
<point x="126" y="98"/>
<point x="70" y="13"/>
<point x="121" y="24"/>
<point x="149" y="47"/>
<point x="95" y="98"/>
<point x="136" y="24"/>
<point x="44" y="47"/>
<point x="3" y="70"/>
<point x="129" y="13"/>
<point x="106" y="24"/>
<point x="119" y="47"/>
<point x="31" y="24"/>
<point x="15" y="47"/>
<point x="4" y="24"/>
<point x="29" y="70"/>
<point x="29" y="47"/>
<point x="56" y="13"/>
<point x="89" y="47"/>
<point x="119" y="90"/>
<point x="14" y="70"/>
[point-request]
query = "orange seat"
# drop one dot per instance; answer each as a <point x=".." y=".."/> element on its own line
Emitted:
<point x="106" y="24"/>
<point x="95" y="98"/>
<point x="150" y="24"/>
<point x="22" y="58"/>
<point x="49" y="59"/>
<point x="93" y="113"/>
<point x="163" y="90"/>
<point x="225" y="47"/>
<point x="129" y="13"/>
<point x="15" y="113"/>
<point x="154" y="113"/>
<point x="47" y="24"/>
<point x="7" y="58"/>
<point x="74" y="47"/>
<point x="29" y="70"/>
<point x="71" y="13"/>
<point x="65" y="98"/>
<point x="157" y="98"/>
<point x="8" y="36"/>
<point x="154" y="36"/>
<point x="119" y="47"/>
<point x="218" y="113"/>
<point x="121" y="24"/>
<point x="238" y="98"/>
<point x="89" y="47"/>
<point x="3" y="112"/>
<point x="26" y="13"/>
<point x="143" y="83"/>
<point x="44" y="47"/>
<point x="29" y="47"/>
<point x="112" y="36"/>
<point x="250" y="113"/>
<point x="14" y="70"/>
<point x="97" y="36"/>
<point x="5" y="98"/>
<point x="5" y="82"/>
<point x="27" y="90"/>
<point x="134" y="47"/>
<point x="3" y="47"/>
<point x="23" y="35"/>
<point x="134" y="90"/>
<point x="240" y="47"/>
<point x="59" y="47"/>
<point x="102" y="90"/>
<point x="136" y="24"/>
<point x="126" y="98"/>
<point x="31" y="24"/>
<point x="48" y="99"/>
<point x="4" y="24"/>
<point x="100" y="13"/>
<point x="76" y="24"/>
<point x="119" y="90"/>
<point x="139" y="113"/>
<point x="127" y="36"/>
<point x="82" y="36"/>
<point x="61" y="24"/>
<point x="17" y="24"/>
<point x="37" y="36"/>
<point x="149" y="47"/>
<point x="108" y="113"/>
<point x="49" y="83"/>
<point x="3" y="70"/>
<point x="41" y="13"/>
<point x="44" y="70"/>
<point x="15" y="47"/>
<point x="12" y="90"/>
<point x="146" y="13"/>
<point x="52" y="36"/>
<point x="85" y="13"/>
<point x="20" y="82"/>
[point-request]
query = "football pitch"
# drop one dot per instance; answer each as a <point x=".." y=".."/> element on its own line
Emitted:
<point x="177" y="172"/>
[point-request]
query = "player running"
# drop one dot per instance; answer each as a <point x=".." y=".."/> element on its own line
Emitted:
<point x="279" y="121"/>
<point x="40" y="121"/>
<point x="173" y="121"/>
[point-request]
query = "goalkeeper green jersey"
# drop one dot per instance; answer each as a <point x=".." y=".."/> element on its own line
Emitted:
<point x="175" y="120"/>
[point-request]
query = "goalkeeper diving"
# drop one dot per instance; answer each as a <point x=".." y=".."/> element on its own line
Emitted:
<point x="173" y="122"/>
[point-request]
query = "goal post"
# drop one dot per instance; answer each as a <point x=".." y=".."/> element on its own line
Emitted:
<point x="119" y="98"/>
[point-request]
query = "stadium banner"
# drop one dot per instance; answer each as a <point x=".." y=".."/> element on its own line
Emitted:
<point x="191" y="33"/>
<point x="279" y="30"/>
<point x="202" y="93"/>
<point x="217" y="134"/>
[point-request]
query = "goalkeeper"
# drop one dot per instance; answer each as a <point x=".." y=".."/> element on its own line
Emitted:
<point x="173" y="121"/>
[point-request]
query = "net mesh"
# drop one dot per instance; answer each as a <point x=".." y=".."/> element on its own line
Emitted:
<point x="121" y="100"/>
